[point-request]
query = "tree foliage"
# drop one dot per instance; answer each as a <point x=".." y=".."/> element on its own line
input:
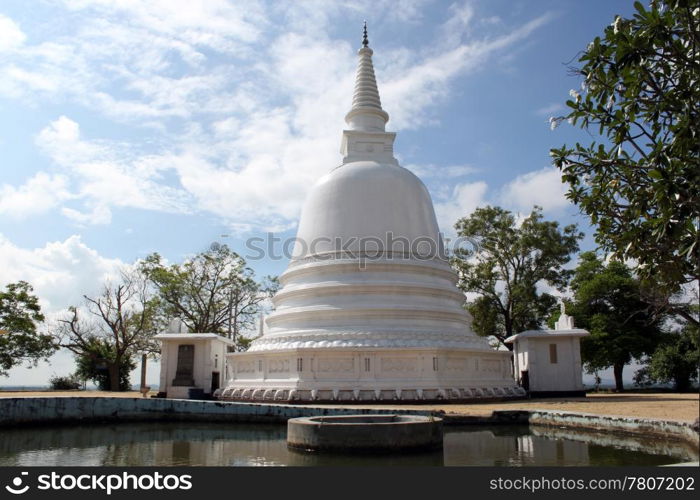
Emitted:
<point x="20" y="313"/>
<point x="212" y="292"/>
<point x="95" y="361"/>
<point x="608" y="303"/>
<point x="676" y="360"/>
<point x="120" y="322"/>
<point x="505" y="262"/>
<point x="639" y="180"/>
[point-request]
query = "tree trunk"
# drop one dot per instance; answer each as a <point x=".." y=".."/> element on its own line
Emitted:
<point x="681" y="382"/>
<point x="235" y="322"/>
<point x="617" y="371"/>
<point x="144" y="361"/>
<point x="113" y="376"/>
<point x="510" y="346"/>
<point x="508" y="326"/>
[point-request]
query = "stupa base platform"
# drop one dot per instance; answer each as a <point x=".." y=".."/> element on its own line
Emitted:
<point x="361" y="375"/>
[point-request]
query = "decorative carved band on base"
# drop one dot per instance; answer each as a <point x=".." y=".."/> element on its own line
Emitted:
<point x="407" y="395"/>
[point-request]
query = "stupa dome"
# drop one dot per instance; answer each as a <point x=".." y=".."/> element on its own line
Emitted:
<point x="368" y="308"/>
<point x="368" y="267"/>
<point x="367" y="206"/>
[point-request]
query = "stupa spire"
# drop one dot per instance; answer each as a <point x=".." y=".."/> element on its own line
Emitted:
<point x="366" y="113"/>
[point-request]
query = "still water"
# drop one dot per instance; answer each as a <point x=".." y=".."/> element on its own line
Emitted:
<point x="217" y="444"/>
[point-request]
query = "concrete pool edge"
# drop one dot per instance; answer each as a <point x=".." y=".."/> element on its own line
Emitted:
<point x="43" y="410"/>
<point x="673" y="429"/>
<point x="365" y="433"/>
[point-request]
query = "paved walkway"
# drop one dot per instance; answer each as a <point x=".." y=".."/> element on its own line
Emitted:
<point x="665" y="406"/>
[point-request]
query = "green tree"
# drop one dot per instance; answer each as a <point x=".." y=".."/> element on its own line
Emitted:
<point x="212" y="292"/>
<point x="505" y="262"/>
<point x="20" y="341"/>
<point x="676" y="359"/>
<point x="639" y="179"/>
<point x="120" y="322"/>
<point x="94" y="362"/>
<point x="243" y="343"/>
<point x="608" y="303"/>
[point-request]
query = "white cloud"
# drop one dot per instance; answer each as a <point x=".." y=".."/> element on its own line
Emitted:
<point x="441" y="171"/>
<point x="62" y="139"/>
<point x="98" y="215"/>
<point x="124" y="59"/>
<point x="550" y="109"/>
<point x="209" y="23"/>
<point x="410" y="90"/>
<point x="457" y="24"/>
<point x="541" y="187"/>
<point x="11" y="36"/>
<point x="60" y="271"/>
<point x="239" y="129"/>
<point x="105" y="175"/>
<point x="463" y="200"/>
<point x="38" y="195"/>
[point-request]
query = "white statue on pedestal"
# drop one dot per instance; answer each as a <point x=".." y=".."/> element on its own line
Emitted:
<point x="565" y="322"/>
<point x="176" y="325"/>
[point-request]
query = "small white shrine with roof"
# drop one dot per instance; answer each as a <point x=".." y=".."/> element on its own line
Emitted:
<point x="192" y="365"/>
<point x="548" y="362"/>
<point x="368" y="309"/>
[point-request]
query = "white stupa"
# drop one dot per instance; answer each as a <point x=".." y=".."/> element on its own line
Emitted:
<point x="368" y="308"/>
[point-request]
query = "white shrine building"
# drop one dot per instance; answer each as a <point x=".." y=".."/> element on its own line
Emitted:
<point x="192" y="365"/>
<point x="547" y="363"/>
<point x="368" y="309"/>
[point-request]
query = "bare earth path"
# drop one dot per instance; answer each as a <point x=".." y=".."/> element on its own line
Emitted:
<point x="665" y="406"/>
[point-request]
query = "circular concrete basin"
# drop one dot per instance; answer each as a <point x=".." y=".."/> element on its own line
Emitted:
<point x="366" y="433"/>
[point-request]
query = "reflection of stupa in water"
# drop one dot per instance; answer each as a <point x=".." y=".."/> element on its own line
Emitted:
<point x="368" y="309"/>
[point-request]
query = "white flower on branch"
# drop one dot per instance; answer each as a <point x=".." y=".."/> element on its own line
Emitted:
<point x="616" y="25"/>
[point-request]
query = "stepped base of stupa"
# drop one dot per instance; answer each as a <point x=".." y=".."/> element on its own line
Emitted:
<point x="370" y="374"/>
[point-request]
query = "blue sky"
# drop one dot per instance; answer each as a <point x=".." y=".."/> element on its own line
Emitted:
<point x="131" y="127"/>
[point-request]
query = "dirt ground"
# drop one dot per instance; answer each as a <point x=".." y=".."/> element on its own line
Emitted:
<point x="665" y="406"/>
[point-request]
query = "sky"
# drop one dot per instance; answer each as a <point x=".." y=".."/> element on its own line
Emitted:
<point x="130" y="127"/>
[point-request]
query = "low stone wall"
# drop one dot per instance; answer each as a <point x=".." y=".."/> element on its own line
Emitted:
<point x="20" y="411"/>
<point x="662" y="429"/>
<point x="665" y="429"/>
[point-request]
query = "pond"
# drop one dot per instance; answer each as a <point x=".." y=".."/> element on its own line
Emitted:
<point x="218" y="444"/>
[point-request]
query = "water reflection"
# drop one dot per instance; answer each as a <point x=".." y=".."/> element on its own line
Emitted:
<point x="265" y="445"/>
<point x="509" y="447"/>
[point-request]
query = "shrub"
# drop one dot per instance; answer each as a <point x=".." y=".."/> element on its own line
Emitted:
<point x="65" y="383"/>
